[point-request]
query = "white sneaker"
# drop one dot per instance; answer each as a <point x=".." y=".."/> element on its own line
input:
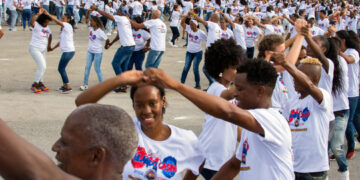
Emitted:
<point x="109" y="34"/>
<point x="115" y="32"/>
<point x="345" y="175"/>
<point x="175" y="46"/>
<point x="171" y="44"/>
<point x="84" y="87"/>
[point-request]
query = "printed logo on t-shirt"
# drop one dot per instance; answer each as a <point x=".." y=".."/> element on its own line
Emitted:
<point x="193" y="38"/>
<point x="92" y="36"/>
<point x="251" y="34"/>
<point x="45" y="32"/>
<point x="321" y="25"/>
<point x="313" y="32"/>
<point x="142" y="159"/>
<point x="225" y="35"/>
<point x="244" y="152"/>
<point x="137" y="36"/>
<point x="298" y="118"/>
<point x="284" y="90"/>
<point x="162" y="29"/>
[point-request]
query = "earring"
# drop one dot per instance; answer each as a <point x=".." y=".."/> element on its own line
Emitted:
<point x="220" y="75"/>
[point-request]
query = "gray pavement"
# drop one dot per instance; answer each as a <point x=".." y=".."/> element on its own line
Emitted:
<point x="39" y="117"/>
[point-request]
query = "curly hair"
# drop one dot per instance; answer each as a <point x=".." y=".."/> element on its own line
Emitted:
<point x="269" y="43"/>
<point x="310" y="60"/>
<point x="222" y="54"/>
<point x="259" y="72"/>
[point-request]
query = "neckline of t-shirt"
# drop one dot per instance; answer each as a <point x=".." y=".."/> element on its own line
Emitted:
<point x="148" y="138"/>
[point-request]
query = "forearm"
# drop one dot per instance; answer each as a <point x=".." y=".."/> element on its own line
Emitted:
<point x="95" y="93"/>
<point x="109" y="16"/>
<point x="348" y="59"/>
<point x="318" y="53"/>
<point x="229" y="170"/>
<point x="294" y="52"/>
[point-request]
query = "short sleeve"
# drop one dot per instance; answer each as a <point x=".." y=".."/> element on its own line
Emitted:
<point x="146" y="35"/>
<point x="210" y="24"/>
<point x="103" y="35"/>
<point x="67" y="27"/>
<point x="203" y="35"/>
<point x="149" y="24"/>
<point x="117" y="18"/>
<point x="271" y="128"/>
<point x="326" y="102"/>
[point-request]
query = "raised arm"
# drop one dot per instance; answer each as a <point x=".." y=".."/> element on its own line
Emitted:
<point x="60" y="23"/>
<point x="134" y="24"/>
<point x="95" y="93"/>
<point x="215" y="106"/>
<point x="301" y="78"/>
<point x="348" y="58"/>
<point x="22" y="160"/>
<point x="33" y="19"/>
<point x="228" y="19"/>
<point x="103" y="13"/>
<point x="199" y="19"/>
<point x="305" y="31"/>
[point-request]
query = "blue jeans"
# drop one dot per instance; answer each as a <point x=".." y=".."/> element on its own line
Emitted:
<point x="137" y="58"/>
<point x="188" y="60"/>
<point x="70" y="10"/>
<point x="46" y="7"/>
<point x="121" y="59"/>
<point x="97" y="57"/>
<point x="35" y="10"/>
<point x="162" y="12"/>
<point x="59" y="12"/>
<point x="311" y="176"/>
<point x="337" y="138"/>
<point x="250" y="52"/>
<point x="153" y="59"/>
<point x="211" y="80"/>
<point x="64" y="60"/>
<point x="109" y="25"/>
<point x="352" y="124"/>
<point x="82" y="12"/>
<point x="176" y="34"/>
<point x="13" y="17"/>
<point x="26" y="16"/>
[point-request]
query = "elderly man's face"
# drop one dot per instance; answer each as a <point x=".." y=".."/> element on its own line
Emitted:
<point x="72" y="149"/>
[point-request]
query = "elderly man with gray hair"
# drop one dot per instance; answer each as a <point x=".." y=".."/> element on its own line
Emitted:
<point x="96" y="142"/>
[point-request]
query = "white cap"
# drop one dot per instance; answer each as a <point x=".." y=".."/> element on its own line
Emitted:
<point x="195" y="22"/>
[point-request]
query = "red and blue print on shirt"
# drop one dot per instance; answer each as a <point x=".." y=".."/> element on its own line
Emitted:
<point x="244" y="151"/>
<point x="250" y="33"/>
<point x="137" y="36"/>
<point x="168" y="165"/>
<point x="225" y="35"/>
<point x="193" y="37"/>
<point x="45" y="32"/>
<point x="299" y="117"/>
<point x="92" y="36"/>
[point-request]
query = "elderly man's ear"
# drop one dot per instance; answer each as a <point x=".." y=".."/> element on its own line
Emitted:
<point x="97" y="156"/>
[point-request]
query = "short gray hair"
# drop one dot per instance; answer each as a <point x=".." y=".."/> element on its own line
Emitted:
<point x="111" y="128"/>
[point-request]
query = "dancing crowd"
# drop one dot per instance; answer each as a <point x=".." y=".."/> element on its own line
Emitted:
<point x="283" y="89"/>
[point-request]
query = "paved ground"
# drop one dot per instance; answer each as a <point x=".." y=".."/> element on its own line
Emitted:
<point x="38" y="118"/>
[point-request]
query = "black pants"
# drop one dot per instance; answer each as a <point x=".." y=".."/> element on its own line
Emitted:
<point x="208" y="173"/>
<point x="250" y="52"/>
<point x="176" y="34"/>
<point x="311" y="176"/>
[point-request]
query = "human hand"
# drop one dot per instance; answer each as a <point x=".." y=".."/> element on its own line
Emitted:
<point x="159" y="77"/>
<point x="278" y="58"/>
<point x="132" y="77"/>
<point x="305" y="31"/>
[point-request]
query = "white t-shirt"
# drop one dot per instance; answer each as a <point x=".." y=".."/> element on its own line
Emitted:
<point x="40" y="36"/>
<point x="324" y="24"/>
<point x="279" y="30"/>
<point x="95" y="40"/>
<point x="166" y="159"/>
<point x="67" y="38"/>
<point x="140" y="37"/>
<point x="26" y="4"/>
<point x="194" y="39"/>
<point x="267" y="157"/>
<point x="239" y="34"/>
<point x="158" y="34"/>
<point x="46" y="2"/>
<point x="175" y="17"/>
<point x="125" y="31"/>
<point x="60" y="3"/>
<point x="353" y="73"/>
<point x="70" y="2"/>
<point x="218" y="137"/>
<point x="351" y="24"/>
<point x="269" y="29"/>
<point x="251" y="34"/>
<point x="227" y="34"/>
<point x="315" y="31"/>
<point x="279" y="97"/>
<point x="326" y="79"/>
<point x="214" y="33"/>
<point x="187" y="6"/>
<point x="309" y="123"/>
<point x="137" y="8"/>
<point x="88" y="3"/>
<point x="341" y="100"/>
<point x="10" y="4"/>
